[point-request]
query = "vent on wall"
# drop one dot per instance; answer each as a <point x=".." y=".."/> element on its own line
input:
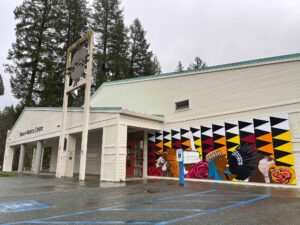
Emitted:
<point x="185" y="104"/>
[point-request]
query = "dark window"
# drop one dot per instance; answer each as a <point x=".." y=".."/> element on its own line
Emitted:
<point x="185" y="104"/>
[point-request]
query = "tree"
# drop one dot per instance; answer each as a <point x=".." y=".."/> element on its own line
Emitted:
<point x="180" y="67"/>
<point x="7" y="119"/>
<point x="156" y="68"/>
<point x="141" y="60"/>
<point x="72" y="25"/>
<point x="32" y="51"/>
<point x="1" y="86"/>
<point x="112" y="44"/>
<point x="198" y="64"/>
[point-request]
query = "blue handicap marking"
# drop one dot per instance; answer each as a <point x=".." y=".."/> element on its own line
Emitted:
<point x="21" y="206"/>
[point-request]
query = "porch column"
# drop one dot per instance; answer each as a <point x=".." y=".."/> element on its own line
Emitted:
<point x="8" y="159"/>
<point x="21" y="158"/>
<point x="113" y="159"/>
<point x="145" y="155"/>
<point x="70" y="156"/>
<point x="38" y="157"/>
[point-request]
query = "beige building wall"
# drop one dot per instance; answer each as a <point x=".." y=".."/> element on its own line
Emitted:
<point x="210" y="92"/>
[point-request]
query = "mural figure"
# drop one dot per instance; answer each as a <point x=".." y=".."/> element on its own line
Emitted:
<point x="264" y="167"/>
<point x="242" y="162"/>
<point x="218" y="166"/>
<point x="163" y="164"/>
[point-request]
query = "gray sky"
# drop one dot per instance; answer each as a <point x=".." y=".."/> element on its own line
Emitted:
<point x="219" y="31"/>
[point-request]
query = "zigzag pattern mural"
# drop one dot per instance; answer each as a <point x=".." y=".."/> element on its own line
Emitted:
<point x="268" y="136"/>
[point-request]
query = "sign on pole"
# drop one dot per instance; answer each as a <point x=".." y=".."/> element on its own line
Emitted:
<point x="78" y="74"/>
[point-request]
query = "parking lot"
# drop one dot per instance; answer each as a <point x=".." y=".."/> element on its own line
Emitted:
<point x="46" y="200"/>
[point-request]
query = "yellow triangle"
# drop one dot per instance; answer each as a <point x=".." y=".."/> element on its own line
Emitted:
<point x="168" y="144"/>
<point x="198" y="142"/>
<point x="289" y="159"/>
<point x="286" y="136"/>
<point x="235" y="140"/>
<point x="231" y="149"/>
<point x="285" y="148"/>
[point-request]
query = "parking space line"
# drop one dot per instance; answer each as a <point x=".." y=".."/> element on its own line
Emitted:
<point x="211" y="211"/>
<point x="155" y="209"/>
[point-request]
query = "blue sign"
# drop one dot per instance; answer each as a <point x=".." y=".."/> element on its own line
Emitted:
<point x="21" y="206"/>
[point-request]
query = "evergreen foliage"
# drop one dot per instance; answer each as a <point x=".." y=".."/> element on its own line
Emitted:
<point x="1" y="86"/>
<point x="141" y="61"/>
<point x="180" y="67"/>
<point x="198" y="64"/>
<point x="111" y="49"/>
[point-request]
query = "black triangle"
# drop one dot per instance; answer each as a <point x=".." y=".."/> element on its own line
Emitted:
<point x="204" y="129"/>
<point x="277" y="143"/>
<point x="230" y="135"/>
<point x="243" y="124"/>
<point x="183" y="139"/>
<point x="183" y="131"/>
<point x="216" y="127"/>
<point x="150" y="135"/>
<point x="196" y="138"/>
<point x="205" y="146"/>
<point x="157" y="134"/>
<point x="217" y="145"/>
<point x="217" y="136"/>
<point x="194" y="130"/>
<point x="278" y="154"/>
<point x="260" y="143"/>
<point x="259" y="133"/>
<point x="277" y="131"/>
<point x="166" y="140"/>
<point x="174" y="132"/>
<point x="165" y="133"/>
<point x="244" y="134"/>
<point x="228" y="126"/>
<point x="263" y="153"/>
<point x="277" y="163"/>
<point x="276" y="120"/>
<point x="204" y="137"/>
<point x="258" y="122"/>
<point x="230" y="144"/>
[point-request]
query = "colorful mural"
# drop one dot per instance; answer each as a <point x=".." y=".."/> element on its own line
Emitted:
<point x="252" y="150"/>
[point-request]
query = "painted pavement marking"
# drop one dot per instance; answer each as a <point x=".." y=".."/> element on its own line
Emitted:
<point x="197" y="212"/>
<point x="21" y="206"/>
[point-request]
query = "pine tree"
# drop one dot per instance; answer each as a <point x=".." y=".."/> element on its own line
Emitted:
<point x="111" y="48"/>
<point x="180" y="67"/>
<point x="198" y="64"/>
<point x="32" y="51"/>
<point x="70" y="26"/>
<point x="140" y="58"/>
<point x="1" y="86"/>
<point x="156" y="68"/>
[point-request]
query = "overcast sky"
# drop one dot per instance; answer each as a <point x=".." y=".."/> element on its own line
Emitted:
<point x="219" y="31"/>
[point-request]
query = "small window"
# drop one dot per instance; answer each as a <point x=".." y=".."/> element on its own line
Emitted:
<point x="185" y="104"/>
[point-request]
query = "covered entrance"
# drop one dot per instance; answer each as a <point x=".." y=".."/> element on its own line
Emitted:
<point x="135" y="154"/>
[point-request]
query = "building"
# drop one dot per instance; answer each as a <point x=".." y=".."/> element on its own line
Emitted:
<point x="136" y="125"/>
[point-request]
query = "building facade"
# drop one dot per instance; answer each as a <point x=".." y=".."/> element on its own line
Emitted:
<point x="236" y="122"/>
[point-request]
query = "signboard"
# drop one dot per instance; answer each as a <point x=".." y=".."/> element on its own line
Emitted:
<point x="31" y="131"/>
<point x="191" y="157"/>
<point x="179" y="155"/>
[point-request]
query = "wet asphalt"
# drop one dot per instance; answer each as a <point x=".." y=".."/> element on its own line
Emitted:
<point x="146" y="202"/>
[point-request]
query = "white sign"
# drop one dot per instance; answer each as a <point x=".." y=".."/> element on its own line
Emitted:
<point x="179" y="155"/>
<point x="191" y="157"/>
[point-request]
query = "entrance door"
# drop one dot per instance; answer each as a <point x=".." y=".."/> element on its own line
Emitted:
<point x="135" y="150"/>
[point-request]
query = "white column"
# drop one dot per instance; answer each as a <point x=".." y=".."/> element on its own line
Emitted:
<point x="8" y="156"/>
<point x="38" y="157"/>
<point x="113" y="159"/>
<point x="8" y="159"/>
<point x="145" y="155"/>
<point x="21" y="158"/>
<point x="70" y="159"/>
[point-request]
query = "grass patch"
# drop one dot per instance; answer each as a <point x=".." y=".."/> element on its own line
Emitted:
<point x="7" y="174"/>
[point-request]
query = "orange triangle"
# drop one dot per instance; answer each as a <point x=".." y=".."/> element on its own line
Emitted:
<point x="267" y="148"/>
<point x="159" y="144"/>
<point x="186" y="143"/>
<point x="221" y="141"/>
<point x="266" y="138"/>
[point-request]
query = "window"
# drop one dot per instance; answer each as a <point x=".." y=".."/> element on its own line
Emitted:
<point x="185" y="104"/>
